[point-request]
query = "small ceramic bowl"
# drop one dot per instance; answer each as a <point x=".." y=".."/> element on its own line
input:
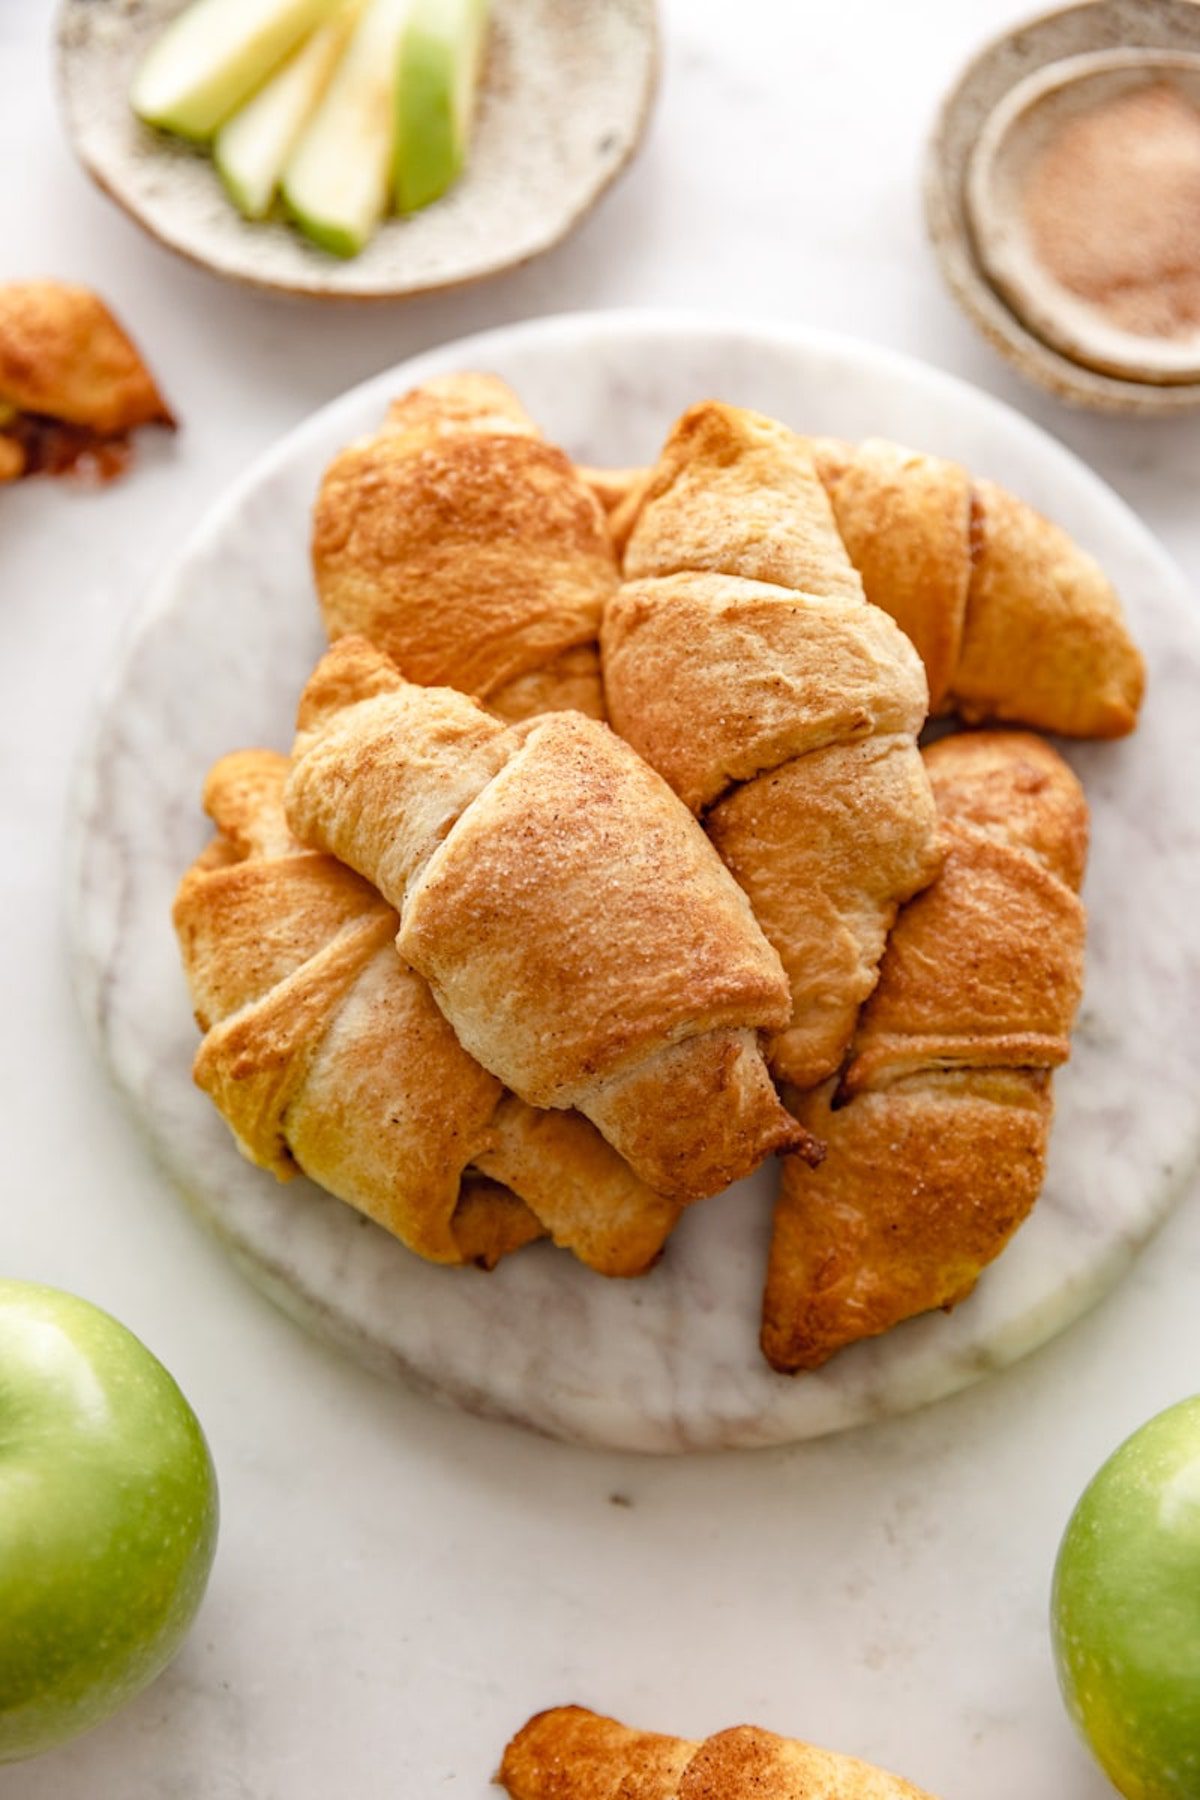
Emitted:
<point x="990" y="124"/>
<point x="1009" y="148"/>
<point x="564" y="103"/>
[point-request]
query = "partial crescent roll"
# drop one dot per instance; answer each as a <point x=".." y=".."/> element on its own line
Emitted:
<point x="570" y="917"/>
<point x="1012" y="619"/>
<point x="469" y="550"/>
<point x="72" y="385"/>
<point x="937" y="1131"/>
<point x="572" y="1754"/>
<point x="325" y="1053"/>
<point x="743" y="662"/>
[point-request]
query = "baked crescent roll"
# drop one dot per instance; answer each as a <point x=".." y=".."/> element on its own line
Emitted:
<point x="572" y="1754"/>
<point x="1012" y="619"/>
<point x="469" y="550"/>
<point x="72" y="385"/>
<point x="325" y="1053"/>
<point x="937" y="1130"/>
<point x="742" y="661"/>
<point x="574" y="924"/>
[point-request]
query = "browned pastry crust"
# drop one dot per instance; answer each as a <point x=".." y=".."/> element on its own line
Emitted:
<point x="938" y="1128"/>
<point x="326" y="1053"/>
<point x="569" y="1753"/>
<point x="742" y="661"/>
<point x="905" y="520"/>
<point x="469" y="550"/>
<point x="575" y="926"/>
<point x="1012" y="620"/>
<point x="72" y="385"/>
<point x="612" y="487"/>
<point x="623" y="515"/>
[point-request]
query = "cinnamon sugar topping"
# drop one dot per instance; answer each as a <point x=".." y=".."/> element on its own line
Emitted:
<point x="1113" y="209"/>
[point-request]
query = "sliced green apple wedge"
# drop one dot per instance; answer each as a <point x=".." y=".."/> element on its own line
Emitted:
<point x="337" y="179"/>
<point x="441" y="55"/>
<point x="252" y="148"/>
<point x="214" y="55"/>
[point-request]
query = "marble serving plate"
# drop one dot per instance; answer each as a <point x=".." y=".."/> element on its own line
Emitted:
<point x="670" y="1362"/>
<point x="565" y="97"/>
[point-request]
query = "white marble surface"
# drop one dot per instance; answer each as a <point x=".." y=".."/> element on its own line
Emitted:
<point x="397" y="1586"/>
<point x="669" y="1363"/>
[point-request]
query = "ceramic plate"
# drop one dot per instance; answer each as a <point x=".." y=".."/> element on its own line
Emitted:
<point x="670" y="1362"/>
<point x="566" y="94"/>
<point x="985" y="83"/>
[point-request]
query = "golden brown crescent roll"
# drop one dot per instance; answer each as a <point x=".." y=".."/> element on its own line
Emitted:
<point x="72" y="385"/>
<point x="325" y="1053"/>
<point x="469" y="550"/>
<point x="1012" y="619"/>
<point x="572" y="1754"/>
<point x="742" y="661"/>
<point x="573" y="922"/>
<point x="937" y="1131"/>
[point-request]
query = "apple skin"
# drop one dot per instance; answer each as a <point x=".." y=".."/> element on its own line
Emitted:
<point x="441" y="55"/>
<point x="108" y="1517"/>
<point x="1125" y="1611"/>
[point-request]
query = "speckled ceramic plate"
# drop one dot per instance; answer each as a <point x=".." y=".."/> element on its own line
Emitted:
<point x="565" y="99"/>
<point x="670" y="1362"/>
<point x="1000" y="66"/>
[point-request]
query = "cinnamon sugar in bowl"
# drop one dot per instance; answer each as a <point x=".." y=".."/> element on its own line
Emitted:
<point x="1049" y="131"/>
<point x="1083" y="199"/>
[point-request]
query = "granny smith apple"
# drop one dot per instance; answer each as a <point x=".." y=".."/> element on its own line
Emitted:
<point x="212" y="57"/>
<point x="1126" y="1610"/>
<point x="108" y="1517"/>
<point x="441" y="54"/>
<point x="337" y="178"/>
<point x="252" y="148"/>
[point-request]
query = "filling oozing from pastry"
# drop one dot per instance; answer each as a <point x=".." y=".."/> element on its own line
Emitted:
<point x="33" y="444"/>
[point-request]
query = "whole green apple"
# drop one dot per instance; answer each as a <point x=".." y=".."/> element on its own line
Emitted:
<point x="108" y="1517"/>
<point x="1125" y="1610"/>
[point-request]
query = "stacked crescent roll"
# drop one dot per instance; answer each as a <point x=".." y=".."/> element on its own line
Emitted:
<point x="938" y="1126"/>
<point x="326" y="1052"/>
<point x="492" y="841"/>
<point x="468" y="549"/>
<point x="743" y="661"/>
<point x="1012" y="620"/>
<point x="491" y="970"/>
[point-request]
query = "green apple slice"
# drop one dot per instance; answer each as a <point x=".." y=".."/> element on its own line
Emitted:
<point x="336" y="181"/>
<point x="441" y="55"/>
<point x="213" y="56"/>
<point x="252" y="148"/>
